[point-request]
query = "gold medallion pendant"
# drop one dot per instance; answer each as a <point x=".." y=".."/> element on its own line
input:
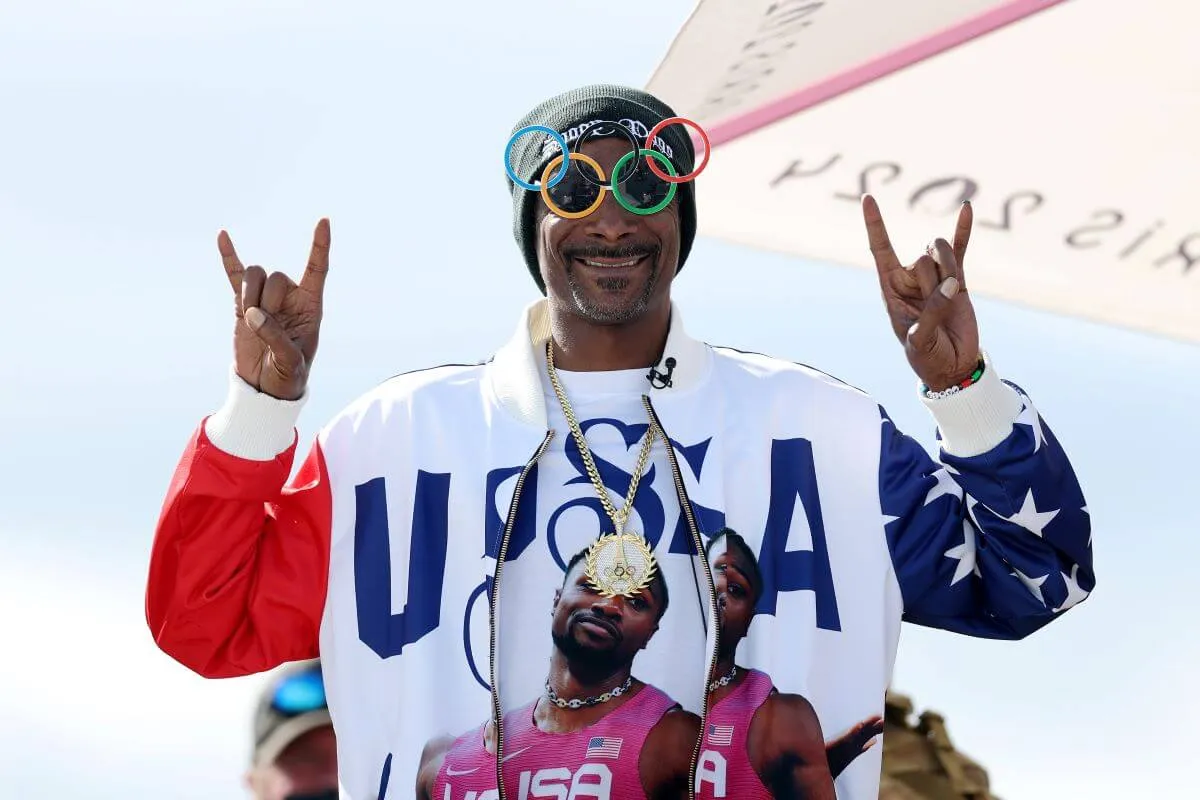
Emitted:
<point x="620" y="564"/>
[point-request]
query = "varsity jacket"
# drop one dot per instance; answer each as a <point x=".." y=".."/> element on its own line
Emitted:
<point x="387" y="553"/>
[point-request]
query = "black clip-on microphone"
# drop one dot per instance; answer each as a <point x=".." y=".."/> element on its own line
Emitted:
<point x="657" y="379"/>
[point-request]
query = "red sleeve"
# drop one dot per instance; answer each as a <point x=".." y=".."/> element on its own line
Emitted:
<point x="240" y="562"/>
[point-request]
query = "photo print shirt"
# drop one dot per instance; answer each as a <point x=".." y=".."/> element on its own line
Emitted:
<point x="432" y="550"/>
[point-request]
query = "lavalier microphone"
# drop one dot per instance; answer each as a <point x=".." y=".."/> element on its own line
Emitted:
<point x="659" y="380"/>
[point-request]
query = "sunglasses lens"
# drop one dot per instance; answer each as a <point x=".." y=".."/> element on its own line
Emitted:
<point x="300" y="694"/>
<point x="573" y="193"/>
<point x="641" y="187"/>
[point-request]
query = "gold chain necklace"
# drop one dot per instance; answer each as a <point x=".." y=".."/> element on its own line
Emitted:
<point x="610" y="569"/>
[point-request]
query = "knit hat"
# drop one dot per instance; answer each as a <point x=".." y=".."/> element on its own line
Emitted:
<point x="572" y="113"/>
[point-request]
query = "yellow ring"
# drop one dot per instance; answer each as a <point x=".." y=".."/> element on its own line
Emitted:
<point x="591" y="162"/>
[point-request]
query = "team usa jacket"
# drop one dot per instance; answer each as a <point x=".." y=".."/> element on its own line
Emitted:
<point x="383" y="553"/>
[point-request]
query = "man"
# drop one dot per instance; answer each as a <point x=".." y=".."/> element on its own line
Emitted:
<point x="761" y="743"/>
<point x="371" y="554"/>
<point x="632" y="743"/>
<point x="295" y="752"/>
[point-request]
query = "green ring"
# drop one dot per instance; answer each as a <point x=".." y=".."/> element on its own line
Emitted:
<point x="616" y="185"/>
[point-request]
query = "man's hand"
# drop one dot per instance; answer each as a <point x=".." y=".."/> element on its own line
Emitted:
<point x="927" y="301"/>
<point x="278" y="321"/>
<point x="852" y="744"/>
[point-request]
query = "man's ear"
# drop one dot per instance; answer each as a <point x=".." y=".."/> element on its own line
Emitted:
<point x="557" y="597"/>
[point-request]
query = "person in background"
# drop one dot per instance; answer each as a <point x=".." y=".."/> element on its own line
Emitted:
<point x="295" y="751"/>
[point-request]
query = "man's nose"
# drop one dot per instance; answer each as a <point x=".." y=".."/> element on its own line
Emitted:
<point x="609" y="222"/>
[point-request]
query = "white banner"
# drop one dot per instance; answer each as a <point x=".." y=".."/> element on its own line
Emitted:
<point x="1073" y="127"/>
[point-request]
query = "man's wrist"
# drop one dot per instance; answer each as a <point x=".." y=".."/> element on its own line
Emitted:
<point x="974" y="420"/>
<point x="253" y="425"/>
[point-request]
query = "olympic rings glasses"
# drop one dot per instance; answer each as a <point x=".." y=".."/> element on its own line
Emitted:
<point x="576" y="193"/>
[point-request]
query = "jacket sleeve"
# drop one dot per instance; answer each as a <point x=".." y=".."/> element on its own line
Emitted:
<point x="239" y="564"/>
<point x="995" y="540"/>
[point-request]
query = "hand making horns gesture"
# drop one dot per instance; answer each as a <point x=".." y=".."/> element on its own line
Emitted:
<point x="278" y="320"/>
<point x="927" y="301"/>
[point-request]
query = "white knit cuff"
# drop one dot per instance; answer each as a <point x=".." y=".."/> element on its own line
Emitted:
<point x="976" y="419"/>
<point x="251" y="424"/>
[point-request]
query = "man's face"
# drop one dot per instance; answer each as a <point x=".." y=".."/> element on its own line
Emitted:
<point x="307" y="768"/>
<point x="611" y="266"/>
<point x="602" y="631"/>
<point x="736" y="594"/>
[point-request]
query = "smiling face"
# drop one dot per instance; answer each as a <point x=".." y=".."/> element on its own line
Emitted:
<point x="612" y="266"/>
<point x="603" y="631"/>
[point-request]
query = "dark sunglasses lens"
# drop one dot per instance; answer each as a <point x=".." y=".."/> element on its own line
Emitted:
<point x="643" y="188"/>
<point x="573" y="193"/>
<point x="300" y="694"/>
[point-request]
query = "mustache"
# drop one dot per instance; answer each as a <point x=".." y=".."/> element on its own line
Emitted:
<point x="596" y="250"/>
<point x="588" y="616"/>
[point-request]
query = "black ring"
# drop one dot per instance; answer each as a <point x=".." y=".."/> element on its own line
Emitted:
<point x="635" y="146"/>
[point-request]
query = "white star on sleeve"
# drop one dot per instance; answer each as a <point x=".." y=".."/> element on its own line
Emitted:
<point x="1029" y="416"/>
<point x="945" y="485"/>
<point x="965" y="553"/>
<point x="888" y="519"/>
<point x="1034" y="585"/>
<point x="1075" y="595"/>
<point x="1030" y="518"/>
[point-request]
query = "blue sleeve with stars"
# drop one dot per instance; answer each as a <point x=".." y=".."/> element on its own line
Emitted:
<point x="995" y="545"/>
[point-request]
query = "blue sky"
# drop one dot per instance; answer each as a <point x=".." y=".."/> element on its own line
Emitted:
<point x="133" y="134"/>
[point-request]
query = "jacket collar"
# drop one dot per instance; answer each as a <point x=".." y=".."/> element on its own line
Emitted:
<point x="515" y="371"/>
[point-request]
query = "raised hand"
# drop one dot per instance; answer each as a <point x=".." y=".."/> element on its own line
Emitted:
<point x="852" y="744"/>
<point x="278" y="320"/>
<point x="927" y="301"/>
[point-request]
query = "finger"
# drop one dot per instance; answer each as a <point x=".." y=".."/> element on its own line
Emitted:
<point x="869" y="744"/>
<point x="268" y="329"/>
<point x="943" y="256"/>
<point x="313" y="279"/>
<point x="253" y="280"/>
<point x="233" y="264"/>
<point x="877" y="236"/>
<point x="923" y="334"/>
<point x="925" y="270"/>
<point x="962" y="235"/>
<point x="276" y="290"/>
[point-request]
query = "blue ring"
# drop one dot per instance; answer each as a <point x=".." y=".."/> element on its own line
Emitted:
<point x="562" y="143"/>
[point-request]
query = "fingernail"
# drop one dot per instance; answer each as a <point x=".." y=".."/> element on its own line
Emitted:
<point x="949" y="287"/>
<point x="255" y="317"/>
<point x="913" y="330"/>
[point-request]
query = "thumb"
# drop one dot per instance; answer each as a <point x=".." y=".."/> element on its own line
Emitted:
<point x="923" y="334"/>
<point x="287" y="354"/>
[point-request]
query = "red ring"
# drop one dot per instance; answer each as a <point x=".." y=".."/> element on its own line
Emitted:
<point x="650" y="146"/>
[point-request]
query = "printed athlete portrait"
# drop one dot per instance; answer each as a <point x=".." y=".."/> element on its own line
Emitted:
<point x="761" y="743"/>
<point x="597" y="731"/>
<point x="415" y="546"/>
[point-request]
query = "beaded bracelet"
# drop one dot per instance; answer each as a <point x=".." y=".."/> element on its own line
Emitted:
<point x="958" y="387"/>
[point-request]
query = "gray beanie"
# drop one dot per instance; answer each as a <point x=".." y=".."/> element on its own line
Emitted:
<point x="570" y="114"/>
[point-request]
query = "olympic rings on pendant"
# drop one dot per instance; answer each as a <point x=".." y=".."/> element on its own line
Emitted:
<point x="558" y="138"/>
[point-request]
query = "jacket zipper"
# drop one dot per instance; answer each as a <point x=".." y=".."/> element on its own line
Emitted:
<point x="508" y="528"/>
<point x="685" y="506"/>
